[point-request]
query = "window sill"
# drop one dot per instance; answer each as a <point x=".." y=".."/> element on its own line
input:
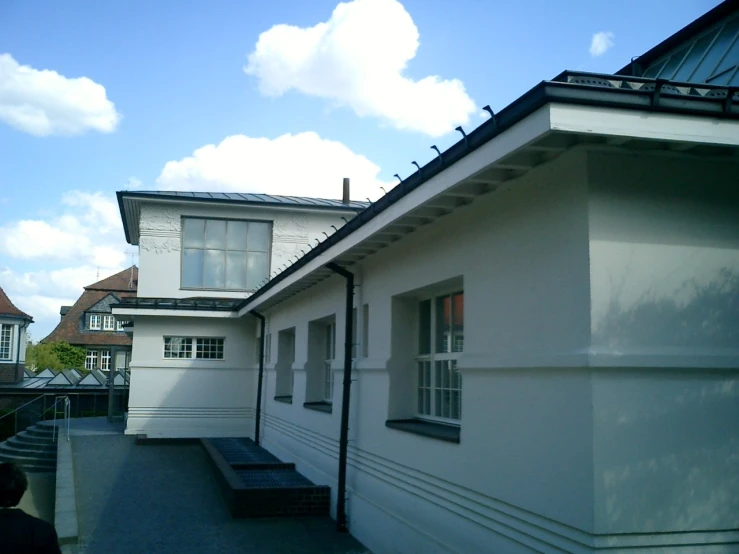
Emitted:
<point x="322" y="406"/>
<point x="440" y="431"/>
<point x="285" y="399"/>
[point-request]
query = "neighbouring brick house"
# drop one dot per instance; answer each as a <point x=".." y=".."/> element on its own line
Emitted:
<point x="13" y="335"/>
<point x="89" y="322"/>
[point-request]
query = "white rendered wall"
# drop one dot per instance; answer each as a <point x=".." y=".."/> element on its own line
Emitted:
<point x="192" y="398"/>
<point x="664" y="256"/>
<point x="160" y="243"/>
<point x="522" y="474"/>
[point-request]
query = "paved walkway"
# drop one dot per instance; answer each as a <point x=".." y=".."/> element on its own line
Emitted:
<point x="163" y="499"/>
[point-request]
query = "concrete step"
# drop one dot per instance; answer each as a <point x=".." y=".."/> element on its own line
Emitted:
<point x="44" y="432"/>
<point x="14" y="450"/>
<point x="15" y="442"/>
<point x="30" y="463"/>
<point x="27" y="438"/>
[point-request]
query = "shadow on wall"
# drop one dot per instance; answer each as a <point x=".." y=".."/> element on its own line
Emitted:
<point x="667" y="440"/>
<point x="709" y="318"/>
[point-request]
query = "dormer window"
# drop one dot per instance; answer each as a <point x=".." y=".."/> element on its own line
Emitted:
<point x="95" y="322"/>
<point x="119" y="325"/>
<point x="219" y="254"/>
<point x="108" y="323"/>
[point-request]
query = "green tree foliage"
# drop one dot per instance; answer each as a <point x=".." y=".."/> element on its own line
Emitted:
<point x="55" y="355"/>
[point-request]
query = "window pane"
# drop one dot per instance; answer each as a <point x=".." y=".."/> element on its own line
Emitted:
<point x="694" y="56"/>
<point x="192" y="268"/>
<point x="257" y="269"/>
<point x="443" y="323"/>
<point x="215" y="234"/>
<point x="215" y="269"/>
<point x="236" y="270"/>
<point x="259" y="237"/>
<point x="424" y="327"/>
<point x="236" y="239"/>
<point x="193" y="233"/>
<point x="458" y="322"/>
<point x="717" y="50"/>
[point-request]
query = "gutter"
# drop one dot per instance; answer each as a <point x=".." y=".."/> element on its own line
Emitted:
<point x="345" y="397"/>
<point x="263" y="325"/>
<point x="555" y="91"/>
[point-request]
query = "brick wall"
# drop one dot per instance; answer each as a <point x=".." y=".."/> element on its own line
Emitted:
<point x="9" y="373"/>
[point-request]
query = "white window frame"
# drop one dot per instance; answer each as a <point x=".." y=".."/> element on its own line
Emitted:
<point x="91" y="360"/>
<point x="193" y="348"/>
<point x="6" y="341"/>
<point x="95" y="322"/>
<point x="329" y="355"/>
<point x="108" y="323"/>
<point x="105" y="360"/>
<point x="225" y="249"/>
<point x="428" y="386"/>
<point x="119" y="325"/>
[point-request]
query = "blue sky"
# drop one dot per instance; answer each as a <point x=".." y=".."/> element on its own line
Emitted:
<point x="352" y="97"/>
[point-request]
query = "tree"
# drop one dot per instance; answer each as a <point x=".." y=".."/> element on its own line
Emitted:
<point x="55" y="355"/>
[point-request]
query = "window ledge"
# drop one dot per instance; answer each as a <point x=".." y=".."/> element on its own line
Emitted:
<point x="287" y="399"/>
<point x="431" y="429"/>
<point x="322" y="406"/>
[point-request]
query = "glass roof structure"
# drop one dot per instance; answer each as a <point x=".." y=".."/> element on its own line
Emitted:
<point x="196" y="303"/>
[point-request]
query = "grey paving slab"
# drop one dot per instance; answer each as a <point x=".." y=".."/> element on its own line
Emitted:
<point x="162" y="499"/>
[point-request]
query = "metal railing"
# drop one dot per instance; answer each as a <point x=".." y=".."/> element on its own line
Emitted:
<point x="66" y="409"/>
<point x="33" y="417"/>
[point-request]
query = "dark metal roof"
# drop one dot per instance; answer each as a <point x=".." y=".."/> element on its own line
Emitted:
<point x="570" y="87"/>
<point x="640" y="63"/>
<point x="243" y="199"/>
<point x="197" y="303"/>
<point x="249" y="198"/>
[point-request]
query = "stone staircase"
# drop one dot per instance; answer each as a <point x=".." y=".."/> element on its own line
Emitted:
<point x="33" y="449"/>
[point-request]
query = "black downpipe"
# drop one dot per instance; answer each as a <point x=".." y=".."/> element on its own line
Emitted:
<point x="18" y="347"/>
<point x="344" y="435"/>
<point x="263" y="324"/>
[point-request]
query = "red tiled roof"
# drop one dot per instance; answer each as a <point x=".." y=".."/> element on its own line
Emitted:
<point x="70" y="328"/>
<point x="8" y="308"/>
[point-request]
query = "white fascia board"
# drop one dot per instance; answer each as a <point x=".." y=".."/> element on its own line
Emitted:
<point x="589" y="120"/>
<point x="524" y="132"/>
<point x="173" y="313"/>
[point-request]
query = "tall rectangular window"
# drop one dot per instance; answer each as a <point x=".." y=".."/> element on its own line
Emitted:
<point x="91" y="360"/>
<point x="108" y="323"/>
<point x="330" y="351"/>
<point x="6" y="341"/>
<point x="225" y="254"/>
<point x="119" y="325"/>
<point x="95" y="320"/>
<point x="440" y="343"/>
<point x="105" y="360"/>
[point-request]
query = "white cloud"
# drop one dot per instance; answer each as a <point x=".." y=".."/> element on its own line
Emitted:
<point x="88" y="231"/>
<point x="133" y="183"/>
<point x="43" y="102"/>
<point x="42" y="293"/>
<point x="295" y="165"/>
<point x="357" y="59"/>
<point x="601" y="43"/>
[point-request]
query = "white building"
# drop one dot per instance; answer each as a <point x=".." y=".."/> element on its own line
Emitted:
<point x="544" y="330"/>
<point x="13" y="339"/>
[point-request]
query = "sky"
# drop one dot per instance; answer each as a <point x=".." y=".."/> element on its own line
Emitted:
<point x="280" y="97"/>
